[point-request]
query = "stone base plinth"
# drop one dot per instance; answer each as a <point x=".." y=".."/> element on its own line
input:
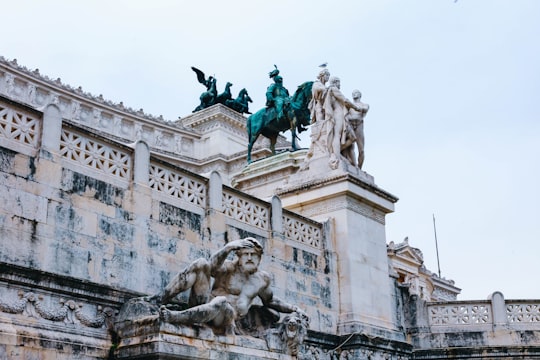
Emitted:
<point x="356" y="207"/>
<point x="262" y="177"/>
<point x="150" y="338"/>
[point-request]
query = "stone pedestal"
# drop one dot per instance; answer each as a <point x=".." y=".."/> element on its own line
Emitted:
<point x="261" y="178"/>
<point x="357" y="208"/>
<point x="150" y="338"/>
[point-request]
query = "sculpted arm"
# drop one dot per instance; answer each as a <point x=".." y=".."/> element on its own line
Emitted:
<point x="363" y="109"/>
<point x="270" y="95"/>
<point x="344" y="101"/>
<point x="218" y="258"/>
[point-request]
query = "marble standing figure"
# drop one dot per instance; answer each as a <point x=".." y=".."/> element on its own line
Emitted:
<point x="316" y="111"/>
<point x="236" y="285"/>
<point x="356" y="119"/>
<point x="340" y="135"/>
<point x="318" y="92"/>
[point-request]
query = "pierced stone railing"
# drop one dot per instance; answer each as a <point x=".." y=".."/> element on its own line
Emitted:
<point x="302" y="230"/>
<point x="81" y="148"/>
<point x="245" y="209"/>
<point x="177" y="184"/>
<point x="495" y="312"/>
<point x="95" y="155"/>
<point x="20" y="129"/>
<point x="523" y="312"/>
<point x="460" y="314"/>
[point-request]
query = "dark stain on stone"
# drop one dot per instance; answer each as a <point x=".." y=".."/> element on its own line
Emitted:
<point x="172" y="215"/>
<point x="104" y="192"/>
<point x="327" y="258"/>
<point x="322" y="292"/>
<point x="120" y="231"/>
<point x="32" y="166"/>
<point x="7" y="158"/>
<point x="310" y="260"/>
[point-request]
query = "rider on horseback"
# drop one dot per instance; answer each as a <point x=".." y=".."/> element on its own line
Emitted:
<point x="277" y="96"/>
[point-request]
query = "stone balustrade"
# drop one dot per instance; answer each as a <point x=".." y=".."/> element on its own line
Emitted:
<point x="81" y="150"/>
<point x="476" y="315"/>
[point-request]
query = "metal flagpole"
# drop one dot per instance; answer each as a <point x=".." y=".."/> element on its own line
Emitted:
<point x="436" y="246"/>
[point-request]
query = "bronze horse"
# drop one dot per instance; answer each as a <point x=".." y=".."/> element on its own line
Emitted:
<point x="241" y="103"/>
<point x="296" y="117"/>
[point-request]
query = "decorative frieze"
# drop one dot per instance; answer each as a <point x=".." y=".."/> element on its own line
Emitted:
<point x="68" y="311"/>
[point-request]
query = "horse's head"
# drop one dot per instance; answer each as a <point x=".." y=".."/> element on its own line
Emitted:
<point x="243" y="96"/>
<point x="303" y="93"/>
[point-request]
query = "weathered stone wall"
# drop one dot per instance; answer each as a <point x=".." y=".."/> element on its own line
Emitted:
<point x="89" y="208"/>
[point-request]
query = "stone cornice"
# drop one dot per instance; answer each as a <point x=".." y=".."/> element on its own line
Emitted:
<point x="78" y="93"/>
<point x="85" y="98"/>
<point x="62" y="284"/>
<point x="209" y="114"/>
<point x="335" y="178"/>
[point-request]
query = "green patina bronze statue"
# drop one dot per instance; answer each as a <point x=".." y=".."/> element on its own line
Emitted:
<point x="210" y="96"/>
<point x="277" y="96"/>
<point x="241" y="103"/>
<point x="282" y="113"/>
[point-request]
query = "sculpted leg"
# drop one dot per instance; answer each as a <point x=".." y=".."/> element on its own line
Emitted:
<point x="360" y="145"/>
<point x="273" y="140"/>
<point x="217" y="313"/>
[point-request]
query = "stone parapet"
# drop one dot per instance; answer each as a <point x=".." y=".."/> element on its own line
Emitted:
<point x="475" y="327"/>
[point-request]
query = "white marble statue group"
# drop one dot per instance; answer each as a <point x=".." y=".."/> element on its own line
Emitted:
<point x="337" y="123"/>
<point x="223" y="290"/>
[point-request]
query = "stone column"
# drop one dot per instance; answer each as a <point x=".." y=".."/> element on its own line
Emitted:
<point x="52" y="129"/>
<point x="358" y="208"/>
<point x="215" y="216"/>
<point x="141" y="163"/>
<point x="49" y="168"/>
<point x="277" y="217"/>
<point x="498" y="307"/>
<point x="140" y="209"/>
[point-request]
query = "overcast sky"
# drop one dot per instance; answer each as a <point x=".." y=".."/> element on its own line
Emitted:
<point x="453" y="86"/>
